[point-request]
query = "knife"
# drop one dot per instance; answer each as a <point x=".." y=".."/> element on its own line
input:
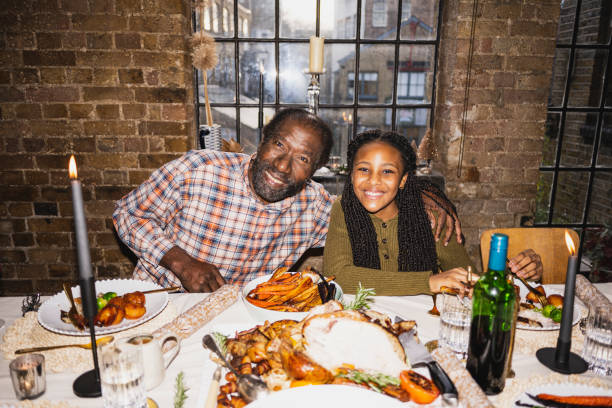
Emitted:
<point x="418" y="355"/>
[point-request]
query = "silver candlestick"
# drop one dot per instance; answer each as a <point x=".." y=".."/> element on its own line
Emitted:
<point x="313" y="92"/>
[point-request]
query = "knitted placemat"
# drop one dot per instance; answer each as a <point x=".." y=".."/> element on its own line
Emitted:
<point x="39" y="404"/>
<point x="516" y="386"/>
<point x="529" y="341"/>
<point x="27" y="332"/>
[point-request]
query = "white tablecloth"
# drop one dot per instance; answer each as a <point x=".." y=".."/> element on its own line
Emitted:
<point x="193" y="357"/>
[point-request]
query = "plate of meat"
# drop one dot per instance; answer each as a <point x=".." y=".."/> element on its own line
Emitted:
<point x="141" y="308"/>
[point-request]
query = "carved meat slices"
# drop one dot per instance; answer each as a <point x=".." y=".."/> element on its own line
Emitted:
<point x="347" y="337"/>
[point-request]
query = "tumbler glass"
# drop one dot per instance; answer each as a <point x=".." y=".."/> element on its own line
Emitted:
<point x="597" y="351"/>
<point x="455" y="320"/>
<point x="121" y="376"/>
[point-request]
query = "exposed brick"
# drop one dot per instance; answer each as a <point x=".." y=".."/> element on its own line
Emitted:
<point x="155" y="24"/>
<point x="80" y="75"/>
<point x="28" y="111"/>
<point x="12" y="287"/>
<point x="176" y="144"/>
<point x="48" y="40"/>
<point x="111" y="160"/>
<point x="153" y="161"/>
<point x="24" y="239"/>
<point x="55" y="111"/>
<point x="131" y="76"/>
<point x="53" y="76"/>
<point x="103" y="58"/>
<point x="11" y="177"/>
<point x="136" y="177"/>
<point x="159" y="60"/>
<point x="174" y="113"/>
<point x="8" y="94"/>
<point x="36" y="177"/>
<point x="45" y="208"/>
<point x="109" y="128"/>
<point x="54" y="161"/>
<point x="107" y="93"/>
<point x="48" y="286"/>
<point x="80" y="111"/>
<point x="161" y="95"/>
<point x="16" y="161"/>
<point x="105" y="76"/>
<point x="73" y="40"/>
<point x="53" y="94"/>
<point x="110" y="145"/>
<point x="60" y="271"/>
<point x="162" y="128"/>
<point x="20" y="209"/>
<point x="26" y="76"/>
<point x="107" y="111"/>
<point x="127" y="40"/>
<point x="12" y="256"/>
<point x="50" y="224"/>
<point x="98" y="22"/>
<point x="133" y="111"/>
<point x="99" y="41"/>
<point x="47" y="58"/>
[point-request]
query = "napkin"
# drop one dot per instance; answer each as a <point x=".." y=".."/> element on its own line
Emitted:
<point x="589" y="294"/>
<point x="188" y="322"/>
<point x="470" y="393"/>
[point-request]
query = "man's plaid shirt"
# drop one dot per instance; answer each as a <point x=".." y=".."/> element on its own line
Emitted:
<point x="203" y="203"/>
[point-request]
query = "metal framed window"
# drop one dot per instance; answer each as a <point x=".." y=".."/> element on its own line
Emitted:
<point x="275" y="34"/>
<point x="575" y="183"/>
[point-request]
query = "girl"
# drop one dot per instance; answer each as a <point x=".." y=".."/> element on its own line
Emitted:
<point x="379" y="233"/>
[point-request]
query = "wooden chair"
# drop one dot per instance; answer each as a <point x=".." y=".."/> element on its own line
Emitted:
<point x="549" y="243"/>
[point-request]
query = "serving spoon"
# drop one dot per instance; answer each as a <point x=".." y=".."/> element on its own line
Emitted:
<point x="100" y="341"/>
<point x="250" y="386"/>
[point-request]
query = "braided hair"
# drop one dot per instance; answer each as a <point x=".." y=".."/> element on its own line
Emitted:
<point x="417" y="250"/>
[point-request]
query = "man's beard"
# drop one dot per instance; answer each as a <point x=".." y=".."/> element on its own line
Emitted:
<point x="264" y="190"/>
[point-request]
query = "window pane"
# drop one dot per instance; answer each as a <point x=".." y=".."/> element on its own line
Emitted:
<point x="604" y="155"/>
<point x="251" y="55"/>
<point x="419" y="19"/>
<point x="570" y="197"/>
<point x="341" y="123"/>
<point x="378" y="19"/>
<point x="587" y="78"/>
<point x="222" y="20"/>
<point x="416" y="64"/>
<point x="559" y="74"/>
<point x="376" y="59"/>
<point x="551" y="137"/>
<point x="339" y="70"/>
<point x="339" y="19"/>
<point x="258" y="20"/>
<point x="371" y="118"/>
<point x="578" y="137"/>
<point x="566" y="22"/>
<point x="600" y="211"/>
<point x="221" y="80"/>
<point x="543" y="197"/>
<point x="297" y="18"/>
<point x="293" y="81"/>
<point x="411" y="123"/>
<point x="249" y="135"/>
<point x="595" y="24"/>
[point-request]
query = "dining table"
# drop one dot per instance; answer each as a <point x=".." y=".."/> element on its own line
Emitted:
<point x="194" y="361"/>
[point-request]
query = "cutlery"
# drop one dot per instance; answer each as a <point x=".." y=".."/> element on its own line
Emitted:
<point x="171" y="289"/>
<point x="250" y="386"/>
<point x="529" y="322"/>
<point x="100" y="341"/>
<point x="75" y="317"/>
<point x="418" y="355"/>
<point x="541" y="299"/>
<point x="213" y="390"/>
<point x="327" y="290"/>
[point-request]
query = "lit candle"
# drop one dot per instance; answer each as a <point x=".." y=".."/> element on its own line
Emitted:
<point x="80" y="227"/>
<point x="316" y="54"/>
<point x="261" y="95"/>
<point x="565" y="332"/>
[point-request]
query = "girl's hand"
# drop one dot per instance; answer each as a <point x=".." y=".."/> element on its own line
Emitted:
<point x="456" y="278"/>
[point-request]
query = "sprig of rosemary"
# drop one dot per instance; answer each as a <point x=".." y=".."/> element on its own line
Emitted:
<point x="375" y="381"/>
<point x="221" y="341"/>
<point x="180" y="394"/>
<point x="362" y="300"/>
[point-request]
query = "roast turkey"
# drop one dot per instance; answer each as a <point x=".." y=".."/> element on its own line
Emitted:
<point x="348" y="337"/>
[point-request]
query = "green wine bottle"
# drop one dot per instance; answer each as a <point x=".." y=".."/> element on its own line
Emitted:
<point x="492" y="328"/>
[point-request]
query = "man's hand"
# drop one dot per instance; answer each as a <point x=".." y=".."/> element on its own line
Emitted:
<point x="456" y="278"/>
<point x="527" y="265"/>
<point x="195" y="275"/>
<point x="451" y="223"/>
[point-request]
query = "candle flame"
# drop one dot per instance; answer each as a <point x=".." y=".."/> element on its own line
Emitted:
<point x="350" y="117"/>
<point x="344" y="118"/>
<point x="72" y="168"/>
<point x="570" y="244"/>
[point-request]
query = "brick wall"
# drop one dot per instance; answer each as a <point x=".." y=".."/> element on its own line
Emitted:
<point x="107" y="80"/>
<point x="511" y="71"/>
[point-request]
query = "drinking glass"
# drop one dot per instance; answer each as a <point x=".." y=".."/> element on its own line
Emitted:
<point x="597" y="351"/>
<point x="455" y="320"/>
<point x="121" y="376"/>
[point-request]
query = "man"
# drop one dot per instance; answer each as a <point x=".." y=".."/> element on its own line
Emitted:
<point x="213" y="217"/>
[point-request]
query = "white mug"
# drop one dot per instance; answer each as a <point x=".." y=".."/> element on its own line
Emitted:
<point x="154" y="360"/>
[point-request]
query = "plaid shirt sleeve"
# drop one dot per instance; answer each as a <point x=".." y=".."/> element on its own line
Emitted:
<point x="321" y="220"/>
<point x="141" y="216"/>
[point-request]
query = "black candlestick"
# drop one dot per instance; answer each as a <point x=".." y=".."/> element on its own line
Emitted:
<point x="561" y="359"/>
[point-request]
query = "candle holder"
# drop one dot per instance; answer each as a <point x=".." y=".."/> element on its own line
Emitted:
<point x="561" y="359"/>
<point x="313" y="92"/>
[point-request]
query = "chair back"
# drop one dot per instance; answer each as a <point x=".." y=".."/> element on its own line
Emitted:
<point x="549" y="243"/>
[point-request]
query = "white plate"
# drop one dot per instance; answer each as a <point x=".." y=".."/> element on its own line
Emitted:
<point x="326" y="396"/>
<point x="49" y="312"/>
<point x="547" y="323"/>
<point x="261" y="314"/>
<point x="560" y="389"/>
<point x="320" y="395"/>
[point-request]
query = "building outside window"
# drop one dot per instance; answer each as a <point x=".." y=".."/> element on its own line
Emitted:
<point x="368" y="85"/>
<point x="226" y="25"/>
<point x="215" y="17"/>
<point x="379" y="13"/>
<point x="411" y="85"/>
<point x="206" y="18"/>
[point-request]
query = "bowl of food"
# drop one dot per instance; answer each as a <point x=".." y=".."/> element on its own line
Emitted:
<point x="287" y="295"/>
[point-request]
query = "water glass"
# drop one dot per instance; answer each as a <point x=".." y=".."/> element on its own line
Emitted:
<point x="121" y="377"/>
<point x="455" y="320"/>
<point x="597" y="351"/>
<point x="28" y="376"/>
